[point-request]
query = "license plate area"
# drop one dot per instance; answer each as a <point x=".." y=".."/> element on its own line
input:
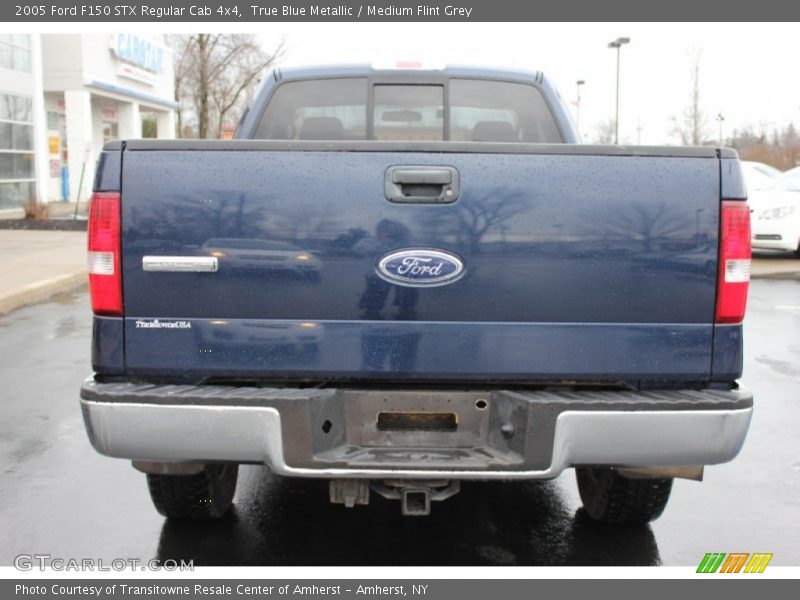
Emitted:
<point x="416" y="421"/>
<point x="417" y="430"/>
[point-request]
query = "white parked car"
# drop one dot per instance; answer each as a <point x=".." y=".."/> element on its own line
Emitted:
<point x="775" y="214"/>
<point x="758" y="176"/>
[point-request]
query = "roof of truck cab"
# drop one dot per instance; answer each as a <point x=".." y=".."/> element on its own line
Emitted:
<point x="365" y="70"/>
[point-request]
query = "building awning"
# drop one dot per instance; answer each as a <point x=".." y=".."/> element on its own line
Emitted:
<point x="132" y="93"/>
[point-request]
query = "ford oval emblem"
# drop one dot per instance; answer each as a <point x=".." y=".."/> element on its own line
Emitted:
<point x="420" y="267"/>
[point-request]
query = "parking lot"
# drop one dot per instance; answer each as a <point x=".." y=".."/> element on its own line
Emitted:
<point x="59" y="497"/>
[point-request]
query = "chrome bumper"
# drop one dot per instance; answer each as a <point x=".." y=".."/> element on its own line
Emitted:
<point x="334" y="433"/>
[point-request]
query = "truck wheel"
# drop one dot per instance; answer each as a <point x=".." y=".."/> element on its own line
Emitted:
<point x="205" y="495"/>
<point x="609" y="497"/>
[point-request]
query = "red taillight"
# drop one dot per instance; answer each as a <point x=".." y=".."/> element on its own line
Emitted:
<point x="105" y="278"/>
<point x="734" y="261"/>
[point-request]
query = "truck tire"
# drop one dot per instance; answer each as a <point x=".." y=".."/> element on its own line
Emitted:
<point x="609" y="497"/>
<point x="205" y="495"/>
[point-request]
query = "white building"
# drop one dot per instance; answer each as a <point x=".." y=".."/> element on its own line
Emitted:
<point x="18" y="89"/>
<point x="62" y="96"/>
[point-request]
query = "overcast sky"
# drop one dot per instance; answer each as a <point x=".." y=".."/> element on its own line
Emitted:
<point x="748" y="71"/>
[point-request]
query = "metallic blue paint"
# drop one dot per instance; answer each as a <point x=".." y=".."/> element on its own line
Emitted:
<point x="108" y="348"/>
<point x="579" y="267"/>
<point x="728" y="355"/>
<point x="732" y="186"/>
<point x="108" y="175"/>
<point x="424" y="351"/>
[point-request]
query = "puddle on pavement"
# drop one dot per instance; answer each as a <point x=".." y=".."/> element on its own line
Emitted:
<point x="66" y="327"/>
<point x="779" y="366"/>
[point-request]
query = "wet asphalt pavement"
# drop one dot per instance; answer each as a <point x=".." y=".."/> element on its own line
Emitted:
<point x="58" y="496"/>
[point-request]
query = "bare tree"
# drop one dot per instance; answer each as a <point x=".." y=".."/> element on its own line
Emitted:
<point x="215" y="75"/>
<point x="604" y="132"/>
<point x="781" y="149"/>
<point x="692" y="126"/>
<point x="474" y="220"/>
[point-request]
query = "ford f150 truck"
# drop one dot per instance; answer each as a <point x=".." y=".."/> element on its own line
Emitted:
<point x="398" y="280"/>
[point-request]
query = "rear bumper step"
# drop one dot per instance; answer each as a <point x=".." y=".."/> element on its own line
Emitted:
<point x="489" y="435"/>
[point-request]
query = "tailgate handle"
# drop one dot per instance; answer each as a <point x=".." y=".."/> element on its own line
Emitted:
<point x="422" y="185"/>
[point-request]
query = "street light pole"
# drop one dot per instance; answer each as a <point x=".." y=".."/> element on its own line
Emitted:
<point x="720" y="118"/>
<point x="617" y="43"/>
<point x="579" y="83"/>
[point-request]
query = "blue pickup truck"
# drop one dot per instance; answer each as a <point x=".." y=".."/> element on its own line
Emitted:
<point x="398" y="280"/>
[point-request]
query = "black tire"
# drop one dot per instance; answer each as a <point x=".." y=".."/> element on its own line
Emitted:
<point x="205" y="495"/>
<point x="609" y="497"/>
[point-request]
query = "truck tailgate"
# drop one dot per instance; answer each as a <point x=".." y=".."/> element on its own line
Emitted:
<point x="576" y="267"/>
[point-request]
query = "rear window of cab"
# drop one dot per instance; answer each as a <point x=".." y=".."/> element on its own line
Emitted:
<point x="340" y="109"/>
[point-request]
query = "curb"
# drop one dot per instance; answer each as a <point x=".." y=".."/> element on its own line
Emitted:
<point x="12" y="213"/>
<point x="51" y="225"/>
<point x="41" y="290"/>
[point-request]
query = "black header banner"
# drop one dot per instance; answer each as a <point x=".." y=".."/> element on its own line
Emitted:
<point x="259" y="11"/>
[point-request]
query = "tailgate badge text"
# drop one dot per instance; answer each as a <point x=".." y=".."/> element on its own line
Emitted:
<point x="158" y="324"/>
